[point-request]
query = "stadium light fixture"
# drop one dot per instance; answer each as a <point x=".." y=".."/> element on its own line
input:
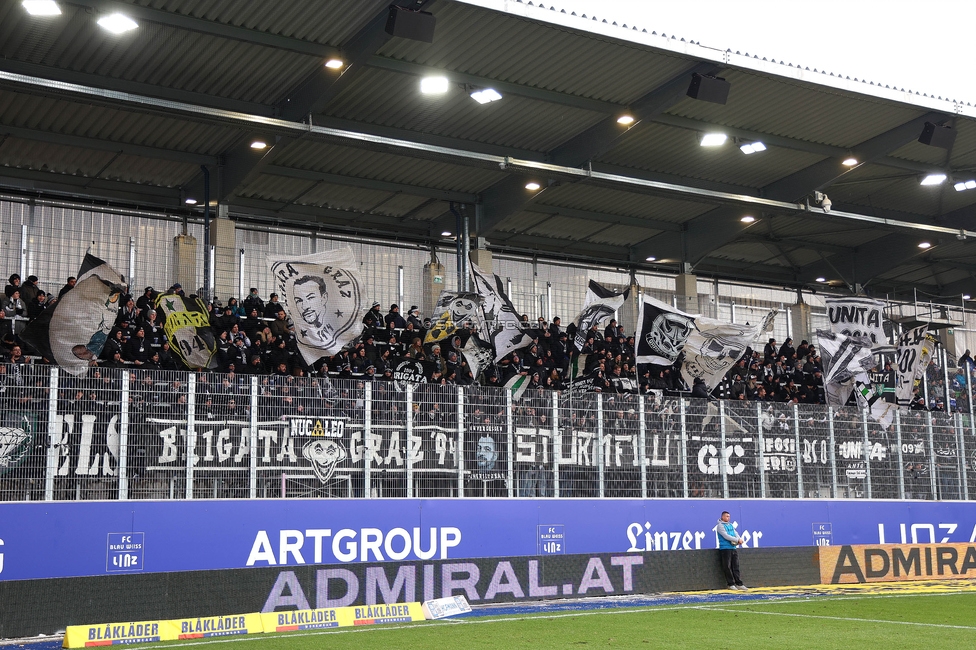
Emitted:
<point x="486" y="95"/>
<point x="42" y="7"/>
<point x="334" y="64"/>
<point x="752" y="147"/>
<point x="933" y="179"/>
<point x="433" y="85"/>
<point x="962" y="186"/>
<point x="625" y="120"/>
<point x="923" y="245"/>
<point x="966" y="296"/>
<point x="850" y="161"/>
<point x="532" y="186"/>
<point x="651" y="259"/>
<point x="259" y="145"/>
<point x="713" y="139"/>
<point x="446" y="233"/>
<point x="117" y="23"/>
<point x="747" y="219"/>
<point x="821" y="280"/>
<point x="191" y="201"/>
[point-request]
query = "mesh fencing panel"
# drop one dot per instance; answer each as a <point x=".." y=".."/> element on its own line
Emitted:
<point x="24" y="440"/>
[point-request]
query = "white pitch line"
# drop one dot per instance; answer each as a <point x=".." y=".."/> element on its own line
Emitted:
<point x="839" y="618"/>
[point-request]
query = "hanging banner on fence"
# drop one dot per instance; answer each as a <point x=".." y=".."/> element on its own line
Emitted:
<point x="411" y="371"/>
<point x="915" y="350"/>
<point x="16" y="438"/>
<point x="73" y="332"/>
<point x="187" y="326"/>
<point x="486" y="454"/>
<point x="506" y="331"/>
<point x="859" y="317"/>
<point x="455" y="311"/>
<point x="662" y="332"/>
<point x="323" y="294"/>
<point x="600" y="303"/>
<point x="713" y="347"/>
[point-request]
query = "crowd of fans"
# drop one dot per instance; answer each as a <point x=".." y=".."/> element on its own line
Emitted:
<point x="254" y="336"/>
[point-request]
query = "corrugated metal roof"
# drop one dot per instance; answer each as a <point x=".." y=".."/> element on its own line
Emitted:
<point x="390" y="99"/>
<point x="156" y="54"/>
<point x="331" y="23"/>
<point x="493" y="45"/>
<point x="581" y="196"/>
<point x="55" y="158"/>
<point x="783" y="107"/>
<point x="331" y="159"/>
<point x="659" y="148"/>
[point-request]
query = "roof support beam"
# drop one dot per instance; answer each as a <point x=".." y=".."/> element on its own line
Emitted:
<point x="867" y="262"/>
<point x="826" y="172"/>
<point x="509" y="196"/>
<point x="370" y="184"/>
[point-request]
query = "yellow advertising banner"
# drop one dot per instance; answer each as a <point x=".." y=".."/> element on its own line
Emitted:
<point x="211" y="626"/>
<point x="896" y="562"/>
<point x="397" y="613"/>
<point x="87" y="636"/>
<point x="307" y="619"/>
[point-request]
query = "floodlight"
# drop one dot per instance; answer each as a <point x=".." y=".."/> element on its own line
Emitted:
<point x="259" y="144"/>
<point x="626" y="120"/>
<point x="821" y="280"/>
<point x="117" y="23"/>
<point x="651" y="259"/>
<point x="42" y="7"/>
<point x="334" y="64"/>
<point x="849" y="162"/>
<point x="713" y="139"/>
<point x="191" y="201"/>
<point x="533" y="186"/>
<point x="923" y="245"/>
<point x="752" y="147"/>
<point x="433" y="85"/>
<point x="747" y="219"/>
<point x="486" y="95"/>
<point x="933" y="179"/>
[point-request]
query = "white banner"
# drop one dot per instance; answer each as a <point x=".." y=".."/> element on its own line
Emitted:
<point x="915" y="350"/>
<point x="859" y="316"/>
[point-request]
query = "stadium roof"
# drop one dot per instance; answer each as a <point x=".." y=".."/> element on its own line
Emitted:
<point x="131" y="118"/>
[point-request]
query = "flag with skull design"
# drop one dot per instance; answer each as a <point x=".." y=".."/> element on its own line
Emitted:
<point x="662" y="332"/>
<point x="455" y="311"/>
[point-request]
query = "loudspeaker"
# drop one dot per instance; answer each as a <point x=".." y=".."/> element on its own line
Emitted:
<point x="415" y="25"/>
<point x="936" y="135"/>
<point x="709" y="89"/>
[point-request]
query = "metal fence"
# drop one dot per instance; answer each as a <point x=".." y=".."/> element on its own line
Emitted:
<point x="116" y="433"/>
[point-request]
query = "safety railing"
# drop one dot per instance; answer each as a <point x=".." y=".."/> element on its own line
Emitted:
<point x="118" y="433"/>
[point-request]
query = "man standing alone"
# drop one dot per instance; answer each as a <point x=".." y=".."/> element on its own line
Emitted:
<point x="728" y="542"/>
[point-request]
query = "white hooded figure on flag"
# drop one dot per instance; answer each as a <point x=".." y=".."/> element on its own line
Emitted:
<point x="846" y="360"/>
<point x="506" y="330"/>
<point x="323" y="295"/>
<point x="601" y="303"/>
<point x="74" y="331"/>
<point x="714" y="346"/>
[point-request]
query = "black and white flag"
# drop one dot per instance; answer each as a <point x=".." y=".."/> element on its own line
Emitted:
<point x="713" y="348"/>
<point x="455" y="311"/>
<point x="478" y="354"/>
<point x="846" y="359"/>
<point x="74" y="331"/>
<point x="858" y="316"/>
<point x="186" y="323"/>
<point x="915" y="350"/>
<point x="506" y="330"/>
<point x="600" y="303"/>
<point x="662" y="332"/>
<point x="323" y="294"/>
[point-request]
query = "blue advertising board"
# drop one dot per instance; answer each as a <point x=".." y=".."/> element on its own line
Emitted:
<point x="60" y="539"/>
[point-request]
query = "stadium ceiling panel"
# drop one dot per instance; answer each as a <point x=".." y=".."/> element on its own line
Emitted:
<point x="591" y="149"/>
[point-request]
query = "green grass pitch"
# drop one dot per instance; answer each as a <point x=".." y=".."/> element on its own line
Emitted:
<point x="943" y="620"/>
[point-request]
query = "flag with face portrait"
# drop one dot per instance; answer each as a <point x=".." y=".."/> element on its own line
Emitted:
<point x="323" y="294"/>
<point x="455" y="311"/>
<point x="506" y="331"/>
<point x="600" y="303"/>
<point x="661" y="332"/>
<point x="73" y="331"/>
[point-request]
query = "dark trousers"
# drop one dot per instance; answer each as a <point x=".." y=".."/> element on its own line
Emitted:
<point x="730" y="565"/>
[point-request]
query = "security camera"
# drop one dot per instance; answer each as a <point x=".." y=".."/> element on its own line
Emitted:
<point x="822" y="200"/>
